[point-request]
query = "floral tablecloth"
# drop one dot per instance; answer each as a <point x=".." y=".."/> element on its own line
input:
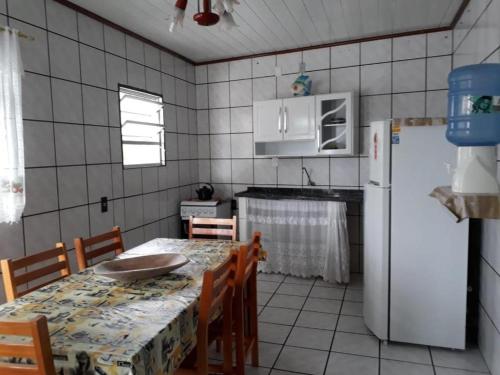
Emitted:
<point x="102" y="326"/>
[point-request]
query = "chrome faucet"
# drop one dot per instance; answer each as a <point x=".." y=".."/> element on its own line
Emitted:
<point x="309" y="181"/>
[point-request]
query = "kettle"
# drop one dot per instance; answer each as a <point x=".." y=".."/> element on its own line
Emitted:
<point x="205" y="193"/>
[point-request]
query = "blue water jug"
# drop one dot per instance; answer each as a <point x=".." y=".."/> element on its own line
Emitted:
<point x="474" y="105"/>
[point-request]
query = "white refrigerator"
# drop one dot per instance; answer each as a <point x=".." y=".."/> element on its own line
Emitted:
<point x="415" y="254"/>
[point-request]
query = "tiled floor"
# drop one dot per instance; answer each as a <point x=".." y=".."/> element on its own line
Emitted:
<point x="312" y="327"/>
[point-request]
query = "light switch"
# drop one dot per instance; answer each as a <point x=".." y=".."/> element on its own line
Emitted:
<point x="104" y="204"/>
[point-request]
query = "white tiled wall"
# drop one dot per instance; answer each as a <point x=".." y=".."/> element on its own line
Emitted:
<point x="395" y="77"/>
<point x="477" y="40"/>
<point x="72" y="134"/>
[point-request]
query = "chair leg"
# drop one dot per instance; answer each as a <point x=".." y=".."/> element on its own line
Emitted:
<point x="253" y="322"/>
<point x="239" y="336"/>
<point x="227" y="338"/>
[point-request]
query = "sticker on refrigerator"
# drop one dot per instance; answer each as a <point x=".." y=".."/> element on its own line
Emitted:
<point x="396" y="128"/>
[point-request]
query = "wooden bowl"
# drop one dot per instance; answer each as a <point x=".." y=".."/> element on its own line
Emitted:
<point x="141" y="267"/>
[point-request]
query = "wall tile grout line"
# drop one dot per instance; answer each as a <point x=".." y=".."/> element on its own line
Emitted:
<point x="99" y="49"/>
<point x="53" y="132"/>
<point x="432" y="360"/>
<point x="471" y="28"/>
<point x="490" y="266"/>
<point x="84" y="130"/>
<point x="489" y="317"/>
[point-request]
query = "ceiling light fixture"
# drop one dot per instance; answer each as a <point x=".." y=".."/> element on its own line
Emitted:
<point x="227" y="21"/>
<point x="206" y="17"/>
<point x="180" y="11"/>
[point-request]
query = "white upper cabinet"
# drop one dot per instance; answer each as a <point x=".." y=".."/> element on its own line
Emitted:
<point x="284" y="119"/>
<point x="306" y="126"/>
<point x="268" y="121"/>
<point x="298" y="118"/>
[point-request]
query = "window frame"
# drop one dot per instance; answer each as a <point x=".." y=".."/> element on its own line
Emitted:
<point x="163" y="148"/>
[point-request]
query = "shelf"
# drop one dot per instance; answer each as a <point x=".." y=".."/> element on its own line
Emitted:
<point x="333" y="125"/>
<point x="463" y="206"/>
<point x="335" y="110"/>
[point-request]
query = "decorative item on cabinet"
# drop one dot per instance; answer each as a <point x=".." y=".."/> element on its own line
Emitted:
<point x="302" y="85"/>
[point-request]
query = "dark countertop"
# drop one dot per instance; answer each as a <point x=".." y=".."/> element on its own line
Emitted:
<point x="340" y="195"/>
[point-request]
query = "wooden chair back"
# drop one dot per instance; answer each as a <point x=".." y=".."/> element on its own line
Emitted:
<point x="245" y="304"/>
<point x="202" y="228"/>
<point x="38" y="350"/>
<point x="216" y="294"/>
<point x="90" y="248"/>
<point x="21" y="271"/>
<point x="247" y="262"/>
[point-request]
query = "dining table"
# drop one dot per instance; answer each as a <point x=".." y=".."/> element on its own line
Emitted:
<point x="103" y="326"/>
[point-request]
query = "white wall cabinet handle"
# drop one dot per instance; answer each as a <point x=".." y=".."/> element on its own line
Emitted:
<point x="318" y="134"/>
<point x="279" y="120"/>
<point x="286" y="119"/>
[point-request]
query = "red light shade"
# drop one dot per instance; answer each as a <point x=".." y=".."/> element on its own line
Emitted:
<point x="181" y="4"/>
<point x="206" y="18"/>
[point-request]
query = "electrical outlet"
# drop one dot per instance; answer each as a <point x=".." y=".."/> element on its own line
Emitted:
<point x="104" y="204"/>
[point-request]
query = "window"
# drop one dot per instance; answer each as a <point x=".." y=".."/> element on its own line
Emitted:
<point x="143" y="136"/>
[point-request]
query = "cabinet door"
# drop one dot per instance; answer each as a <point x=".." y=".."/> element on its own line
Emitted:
<point x="298" y="118"/>
<point x="268" y="121"/>
<point x="335" y="123"/>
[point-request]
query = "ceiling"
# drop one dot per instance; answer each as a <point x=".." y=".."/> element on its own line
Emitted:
<point x="274" y="25"/>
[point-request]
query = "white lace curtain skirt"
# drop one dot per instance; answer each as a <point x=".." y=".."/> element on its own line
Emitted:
<point x="302" y="237"/>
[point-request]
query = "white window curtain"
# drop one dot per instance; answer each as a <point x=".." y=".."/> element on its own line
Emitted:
<point x="12" y="190"/>
<point x="302" y="237"/>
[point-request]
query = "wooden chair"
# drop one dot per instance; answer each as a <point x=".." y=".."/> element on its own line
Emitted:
<point x="38" y="349"/>
<point x="216" y="294"/>
<point x="32" y="273"/>
<point x="86" y="251"/>
<point x="201" y="228"/>
<point x="245" y="304"/>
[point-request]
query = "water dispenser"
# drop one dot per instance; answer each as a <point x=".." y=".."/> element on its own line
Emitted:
<point x="474" y="126"/>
